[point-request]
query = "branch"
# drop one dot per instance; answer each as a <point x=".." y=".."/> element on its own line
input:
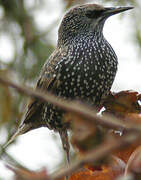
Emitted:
<point x="97" y="153"/>
<point x="9" y="160"/>
<point x="133" y="131"/>
<point x="75" y="107"/>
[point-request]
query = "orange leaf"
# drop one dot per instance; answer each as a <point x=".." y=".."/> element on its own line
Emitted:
<point x="125" y="153"/>
<point x="122" y="103"/>
<point x="134" y="162"/>
<point x="133" y="117"/>
<point x="107" y="172"/>
<point x="104" y="174"/>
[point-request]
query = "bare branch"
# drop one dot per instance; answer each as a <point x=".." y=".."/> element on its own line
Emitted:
<point x="133" y="130"/>
<point x="97" y="153"/>
<point x="75" y="107"/>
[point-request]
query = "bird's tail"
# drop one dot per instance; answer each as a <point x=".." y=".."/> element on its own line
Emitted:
<point x="21" y="130"/>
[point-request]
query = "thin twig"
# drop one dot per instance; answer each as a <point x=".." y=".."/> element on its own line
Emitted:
<point x="90" y="114"/>
<point x="9" y="159"/>
<point x="74" y="107"/>
<point x="96" y="154"/>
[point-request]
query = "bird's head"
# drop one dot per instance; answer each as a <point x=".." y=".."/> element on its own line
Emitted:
<point x="84" y="19"/>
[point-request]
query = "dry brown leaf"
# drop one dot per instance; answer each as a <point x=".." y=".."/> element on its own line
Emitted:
<point x="85" y="135"/>
<point x="122" y="103"/>
<point x="125" y="153"/>
<point x="114" y="163"/>
<point x="5" y="104"/>
<point x="106" y="173"/>
<point x="5" y="100"/>
<point x="133" y="118"/>
<point x="134" y="162"/>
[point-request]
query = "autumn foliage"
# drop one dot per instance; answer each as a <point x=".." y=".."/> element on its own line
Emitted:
<point x="107" y="146"/>
<point x="125" y="106"/>
<point x="105" y="149"/>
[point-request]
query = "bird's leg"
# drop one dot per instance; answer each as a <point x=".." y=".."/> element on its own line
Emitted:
<point x="65" y="142"/>
<point x="66" y="146"/>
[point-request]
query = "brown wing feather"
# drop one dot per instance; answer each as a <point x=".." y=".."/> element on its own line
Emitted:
<point x="46" y="82"/>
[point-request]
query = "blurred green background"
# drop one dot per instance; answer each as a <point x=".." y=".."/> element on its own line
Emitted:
<point x="30" y="43"/>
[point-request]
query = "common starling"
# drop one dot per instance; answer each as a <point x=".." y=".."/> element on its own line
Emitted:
<point x="82" y="67"/>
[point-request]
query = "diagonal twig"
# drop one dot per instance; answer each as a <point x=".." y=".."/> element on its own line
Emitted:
<point x="133" y="130"/>
<point x="97" y="153"/>
<point x="75" y="107"/>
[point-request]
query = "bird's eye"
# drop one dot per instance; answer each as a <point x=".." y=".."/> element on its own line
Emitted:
<point x="94" y="14"/>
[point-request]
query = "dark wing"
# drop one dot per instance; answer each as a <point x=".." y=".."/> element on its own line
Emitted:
<point x="46" y="82"/>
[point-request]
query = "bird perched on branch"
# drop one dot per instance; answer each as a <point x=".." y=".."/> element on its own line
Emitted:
<point x="83" y="67"/>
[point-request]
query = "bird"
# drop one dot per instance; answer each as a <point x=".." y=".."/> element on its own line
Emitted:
<point x="82" y="67"/>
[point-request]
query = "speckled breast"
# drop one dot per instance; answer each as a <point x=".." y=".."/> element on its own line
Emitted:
<point x="86" y="72"/>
